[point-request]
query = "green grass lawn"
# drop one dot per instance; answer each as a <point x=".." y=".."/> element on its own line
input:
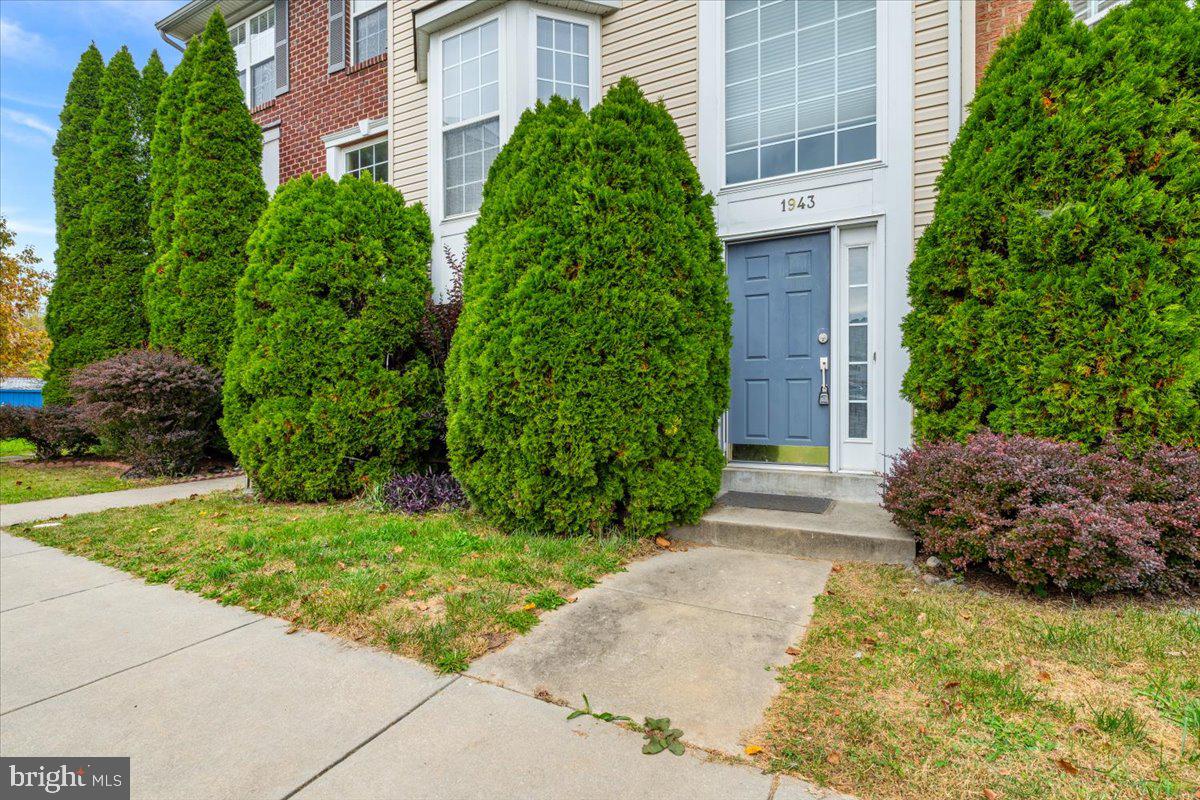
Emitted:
<point x="906" y="691"/>
<point x="441" y="588"/>
<point x="15" y="447"/>
<point x="22" y="481"/>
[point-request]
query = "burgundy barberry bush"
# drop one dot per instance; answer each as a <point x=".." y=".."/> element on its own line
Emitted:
<point x="153" y="408"/>
<point x="1046" y="513"/>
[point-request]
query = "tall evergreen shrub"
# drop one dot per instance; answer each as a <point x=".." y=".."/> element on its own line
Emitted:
<point x="219" y="196"/>
<point x="72" y="166"/>
<point x="590" y="364"/>
<point x="1057" y="290"/>
<point x="154" y="77"/>
<point x="160" y="285"/>
<point x="117" y="212"/>
<point x="325" y="387"/>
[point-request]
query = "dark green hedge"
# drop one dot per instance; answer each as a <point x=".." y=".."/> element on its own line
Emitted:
<point x="590" y="364"/>
<point x="1057" y="290"/>
<point x="325" y="387"/>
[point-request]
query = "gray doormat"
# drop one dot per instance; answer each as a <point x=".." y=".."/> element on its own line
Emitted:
<point x="776" y="502"/>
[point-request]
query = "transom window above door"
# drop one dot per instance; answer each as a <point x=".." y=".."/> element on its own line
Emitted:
<point x="800" y="84"/>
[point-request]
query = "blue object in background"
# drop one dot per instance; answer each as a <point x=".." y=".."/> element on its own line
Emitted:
<point x="21" y="392"/>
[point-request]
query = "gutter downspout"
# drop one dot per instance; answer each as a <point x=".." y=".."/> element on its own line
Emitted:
<point x="170" y="41"/>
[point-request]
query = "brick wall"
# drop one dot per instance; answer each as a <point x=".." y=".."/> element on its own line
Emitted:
<point x="993" y="19"/>
<point x="318" y="103"/>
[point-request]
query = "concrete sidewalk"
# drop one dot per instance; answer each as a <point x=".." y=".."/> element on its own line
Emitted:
<point x="212" y="701"/>
<point x="17" y="513"/>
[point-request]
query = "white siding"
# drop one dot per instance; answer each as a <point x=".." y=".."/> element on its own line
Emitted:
<point x="931" y="103"/>
<point x="407" y="110"/>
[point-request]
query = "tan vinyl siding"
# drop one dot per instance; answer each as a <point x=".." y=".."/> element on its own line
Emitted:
<point x="407" y="110"/>
<point x="931" y="111"/>
<point x="657" y="42"/>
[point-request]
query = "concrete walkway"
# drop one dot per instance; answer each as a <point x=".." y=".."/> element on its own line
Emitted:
<point x="17" y="513"/>
<point x="694" y="636"/>
<point x="217" y="702"/>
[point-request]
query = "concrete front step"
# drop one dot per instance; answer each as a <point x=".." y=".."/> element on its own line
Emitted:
<point x="847" y="532"/>
<point x="772" y="479"/>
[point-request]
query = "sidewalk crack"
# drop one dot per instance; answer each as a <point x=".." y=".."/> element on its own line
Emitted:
<point x="372" y="737"/>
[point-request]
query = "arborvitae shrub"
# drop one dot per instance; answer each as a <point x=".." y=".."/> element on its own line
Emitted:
<point x="590" y="364"/>
<point x="161" y="283"/>
<point x="72" y="170"/>
<point x="1057" y="290"/>
<point x="117" y="211"/>
<point x="219" y="196"/>
<point x="325" y="386"/>
<point x="152" y="408"/>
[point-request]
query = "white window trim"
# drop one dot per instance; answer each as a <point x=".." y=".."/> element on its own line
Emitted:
<point x="855" y="454"/>
<point x="367" y="131"/>
<point x="712" y="21"/>
<point x="387" y="27"/>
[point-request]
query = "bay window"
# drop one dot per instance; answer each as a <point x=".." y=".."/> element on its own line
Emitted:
<point x="470" y="114"/>
<point x="562" y="61"/>
<point x="800" y="84"/>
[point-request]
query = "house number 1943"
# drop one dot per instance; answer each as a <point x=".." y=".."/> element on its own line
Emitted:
<point x="800" y="203"/>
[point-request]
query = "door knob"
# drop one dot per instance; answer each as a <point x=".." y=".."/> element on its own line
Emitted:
<point x="823" y="337"/>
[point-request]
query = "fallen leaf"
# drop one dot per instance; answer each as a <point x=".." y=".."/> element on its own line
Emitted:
<point x="870" y="641"/>
<point x="921" y="617"/>
<point x="398" y="550"/>
<point x="921" y="729"/>
<point x="837" y="568"/>
<point x="293" y="629"/>
<point x="925" y="634"/>
<point x="1066" y="766"/>
<point x="1044" y="677"/>
<point x="964" y="615"/>
<point x="752" y="749"/>
<point x="952" y="685"/>
<point x="153" y="530"/>
<point x="529" y="607"/>
<point x="572" y="599"/>
<point x="990" y="795"/>
<point x="381" y="588"/>
<point x="410" y="593"/>
<point x="833" y="758"/>
<point x="663" y="542"/>
<point x="793" y="651"/>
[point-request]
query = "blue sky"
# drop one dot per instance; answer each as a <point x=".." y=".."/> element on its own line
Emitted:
<point x="40" y="43"/>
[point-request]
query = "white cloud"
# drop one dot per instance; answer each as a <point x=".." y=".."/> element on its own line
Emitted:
<point x="18" y="44"/>
<point x="28" y="227"/>
<point x="32" y="102"/>
<point x="32" y="122"/>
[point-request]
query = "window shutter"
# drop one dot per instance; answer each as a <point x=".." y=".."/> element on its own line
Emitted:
<point x="337" y="35"/>
<point x="281" y="47"/>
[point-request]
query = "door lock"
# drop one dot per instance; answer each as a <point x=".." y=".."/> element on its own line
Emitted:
<point x="823" y="395"/>
<point x="823" y="337"/>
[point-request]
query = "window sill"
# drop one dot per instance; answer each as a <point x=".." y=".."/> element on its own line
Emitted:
<point x="263" y="106"/>
<point x="370" y="62"/>
<point x="774" y="180"/>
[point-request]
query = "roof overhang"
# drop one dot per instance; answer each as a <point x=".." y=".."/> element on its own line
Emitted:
<point x="190" y="18"/>
<point x="443" y="14"/>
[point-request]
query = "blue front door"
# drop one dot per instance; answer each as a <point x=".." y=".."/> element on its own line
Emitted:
<point x="780" y="293"/>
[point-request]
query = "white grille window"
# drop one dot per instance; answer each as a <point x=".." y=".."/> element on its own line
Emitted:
<point x="857" y="348"/>
<point x="370" y="159"/>
<point x="562" y="60"/>
<point x="369" y="26"/>
<point x="1090" y="11"/>
<point x="253" y="42"/>
<point x="799" y="86"/>
<point x="470" y="114"/>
